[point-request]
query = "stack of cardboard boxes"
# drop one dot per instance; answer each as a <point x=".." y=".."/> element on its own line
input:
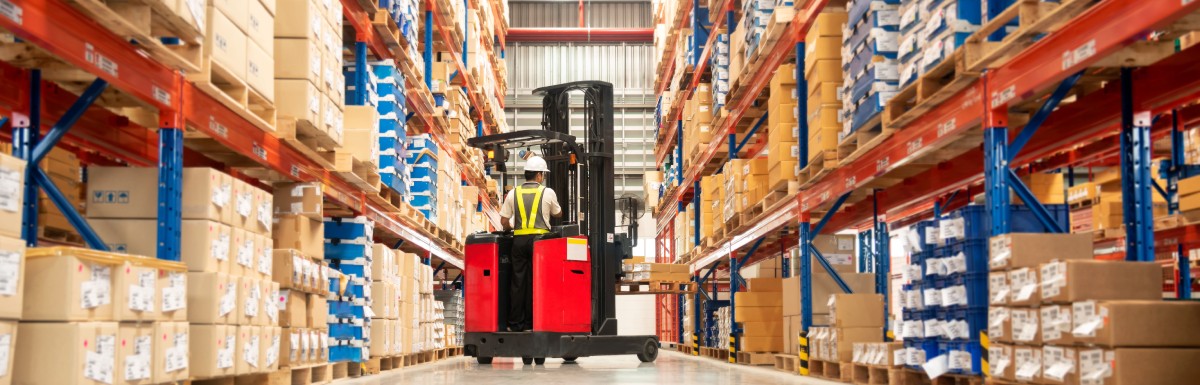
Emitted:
<point x="698" y="118"/>
<point x="712" y="205"/>
<point x="311" y="88"/>
<point x="1069" y="324"/>
<point x="637" y="270"/>
<point x="783" y="132"/>
<point x="1097" y="205"/>
<point x="760" y="313"/>
<point x="97" y="317"/>
<point x="823" y="71"/>
<point x="302" y="274"/>
<point x="64" y="170"/>
<point x="239" y="44"/>
<point x="745" y="184"/>
<point x="838" y="250"/>
<point x="853" y="318"/>
<point x="349" y="248"/>
<point x="12" y="264"/>
<point x="385" y="301"/>
<point x="878" y="354"/>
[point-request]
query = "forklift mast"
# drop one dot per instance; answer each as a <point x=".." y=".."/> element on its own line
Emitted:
<point x="594" y="189"/>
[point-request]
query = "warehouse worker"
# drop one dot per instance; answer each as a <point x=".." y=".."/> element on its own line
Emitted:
<point x="534" y="204"/>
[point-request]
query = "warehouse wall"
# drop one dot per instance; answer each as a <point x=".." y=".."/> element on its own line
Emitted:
<point x="597" y="14"/>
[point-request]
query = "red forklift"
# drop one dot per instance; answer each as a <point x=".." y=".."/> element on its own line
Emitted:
<point x="576" y="265"/>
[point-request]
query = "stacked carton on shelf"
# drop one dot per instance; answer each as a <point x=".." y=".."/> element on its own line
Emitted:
<point x="823" y="63"/>
<point x="12" y="264"/>
<point x="349" y="248"/>
<point x="637" y="270"/>
<point x="783" y="131"/>
<point x="853" y="318"/>
<point x="311" y="89"/>
<point x="869" y="47"/>
<point x="760" y="312"/>
<point x="838" y="250"/>
<point x="301" y="273"/>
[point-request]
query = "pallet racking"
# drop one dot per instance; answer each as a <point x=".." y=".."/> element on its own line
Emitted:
<point x="921" y="167"/>
<point x="183" y="111"/>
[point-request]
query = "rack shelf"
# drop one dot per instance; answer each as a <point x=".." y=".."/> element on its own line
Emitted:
<point x="65" y="32"/>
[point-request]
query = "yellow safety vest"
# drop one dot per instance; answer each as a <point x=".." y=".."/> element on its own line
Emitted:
<point x="529" y="200"/>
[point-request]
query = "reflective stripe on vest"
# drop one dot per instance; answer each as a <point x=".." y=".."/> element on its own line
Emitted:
<point x="529" y="200"/>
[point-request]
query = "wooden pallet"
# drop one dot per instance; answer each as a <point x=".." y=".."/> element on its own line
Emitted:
<point x="361" y="173"/>
<point x="905" y="376"/>
<point x="146" y="23"/>
<point x="720" y="354"/>
<point x="927" y="92"/>
<point x="828" y="370"/>
<point x="309" y="139"/>
<point x="339" y="370"/>
<point x="820" y="164"/>
<point x="858" y="143"/>
<point x="1034" y="18"/>
<point x="655" y="287"/>
<point x="57" y="235"/>
<point x="686" y="349"/>
<point x="300" y="375"/>
<point x="756" y="359"/>
<point x="383" y="23"/>
<point x="787" y="362"/>
<point x="779" y="24"/>
<point x="862" y="374"/>
<point x="222" y="84"/>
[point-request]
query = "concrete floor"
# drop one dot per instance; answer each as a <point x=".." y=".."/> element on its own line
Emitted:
<point x="671" y="368"/>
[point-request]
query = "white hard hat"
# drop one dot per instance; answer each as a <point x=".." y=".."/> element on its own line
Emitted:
<point x="536" y="163"/>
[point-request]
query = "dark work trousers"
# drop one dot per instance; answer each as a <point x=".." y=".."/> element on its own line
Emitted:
<point x="520" y="314"/>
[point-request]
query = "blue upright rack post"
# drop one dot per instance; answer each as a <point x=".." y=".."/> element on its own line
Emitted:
<point x="170" y="193"/>
<point x="360" y="74"/>
<point x="25" y="137"/>
<point x="801" y="106"/>
<point x="1135" y="175"/>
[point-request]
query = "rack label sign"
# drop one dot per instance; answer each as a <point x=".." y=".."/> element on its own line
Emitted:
<point x="882" y="164"/>
<point x="259" y="151"/>
<point x="12" y="12"/>
<point x="946" y="127"/>
<point x="1078" y="55"/>
<point x="100" y="61"/>
<point x="217" y="127"/>
<point x="161" y="95"/>
<point x="914" y="145"/>
<point x="999" y="98"/>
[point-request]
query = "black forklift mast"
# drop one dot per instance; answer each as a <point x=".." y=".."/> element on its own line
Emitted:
<point x="583" y="170"/>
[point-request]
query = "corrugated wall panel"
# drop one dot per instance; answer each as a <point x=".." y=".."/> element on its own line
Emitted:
<point x="560" y="14"/>
<point x="626" y="66"/>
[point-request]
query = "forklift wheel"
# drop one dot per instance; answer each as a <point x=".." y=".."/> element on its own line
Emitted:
<point x="484" y="360"/>
<point x="539" y="361"/>
<point x="527" y="360"/>
<point x="569" y="359"/>
<point x="649" y="352"/>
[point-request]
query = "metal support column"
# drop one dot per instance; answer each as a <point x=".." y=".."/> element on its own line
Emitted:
<point x="734" y="285"/>
<point x="170" y="193"/>
<point x="696" y="212"/>
<point x="360" y="74"/>
<point x="801" y="107"/>
<point x="428" y="54"/>
<point x="1135" y="175"/>
<point x="995" y="175"/>
<point x="805" y="272"/>
<point x="679" y="152"/>
<point x="25" y="138"/>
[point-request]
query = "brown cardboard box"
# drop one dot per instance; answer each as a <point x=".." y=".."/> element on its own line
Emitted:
<point x="225" y="42"/>
<point x="242" y="204"/>
<point x="1128" y="366"/>
<point x="763" y="329"/>
<point x="1079" y="280"/>
<point x="1056" y="324"/>
<point x="1026" y="364"/>
<point x="134" y="293"/>
<point x="11" y="204"/>
<point x="295" y="308"/>
<point x="857" y="310"/>
<point x="837" y="344"/>
<point x="1033" y="249"/>
<point x="132" y="192"/>
<point x="780" y="152"/>
<point x="761" y="344"/>
<point x="999" y="324"/>
<point x="300" y="233"/>
<point x="270" y="303"/>
<point x="761" y="285"/>
<point x="264" y="257"/>
<point x="289" y="347"/>
<point x="292" y="270"/>
<point x="246" y="355"/>
<point x="170" y="358"/>
<point x="172" y="295"/>
<point x="57" y="353"/>
<point x="823" y="287"/>
<point x="757" y="299"/>
<point x="828" y="23"/>
<point x="8" y="335"/>
<point x="1023" y="287"/>
<point x="62" y="285"/>
<point x="295" y="49"/>
<point x="212" y="298"/>
<point x="303" y="199"/>
<point x="260" y="25"/>
<point x="1136" y="323"/>
<point x="269" y="342"/>
<point x="1000" y="357"/>
<point x="299" y="99"/>
<point x="318" y="311"/>
<point x="752" y="314"/>
<point x="1024" y="327"/>
<point x="205" y="246"/>
<point x="128" y="235"/>
<point x="260" y="69"/>
<point x="12" y="276"/>
<point x="212" y="350"/>
<point x="249" y="301"/>
<point x="381" y="331"/>
<point x="791" y="331"/>
<point x="1060" y="365"/>
<point x="241" y="252"/>
<point x="298" y="19"/>
<point x="135" y="350"/>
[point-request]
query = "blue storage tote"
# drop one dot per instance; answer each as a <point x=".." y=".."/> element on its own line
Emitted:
<point x="977" y="223"/>
<point x="925" y="349"/>
<point x="346" y="251"/>
<point x="420" y="171"/>
<point x="965" y="357"/>
<point x="351" y="268"/>
<point x="422" y="199"/>
<point x="359" y="229"/>
<point x="347" y="331"/>
<point x="346" y="354"/>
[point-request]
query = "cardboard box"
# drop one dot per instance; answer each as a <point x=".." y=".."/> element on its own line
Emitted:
<point x="1056" y="324"/>
<point x="289" y="347"/>
<point x="269" y="340"/>
<point x="1000" y="357"/>
<point x="823" y="287"/>
<point x="260" y="70"/>
<point x="1136" y="323"/>
<point x="11" y="205"/>
<point x="242" y="252"/>
<point x="1032" y="249"/>
<point x="298" y="19"/>
<point x="1060" y="365"/>
<point x="8" y="335"/>
<point x="212" y="351"/>
<point x="134" y="352"/>
<point x="235" y="10"/>
<point x="829" y="70"/>
<point x="1023" y="287"/>
<point x="68" y="285"/>
<point x="296" y="49"/>
<point x="303" y="234"/>
<point x="752" y="314"/>
<point x="260" y="27"/>
<point x="264" y="257"/>
<point x="225" y="42"/>
<point x="172" y="292"/>
<point x="761" y="344"/>
<point x="757" y="299"/>
<point x="772" y="329"/>
<point x="1139" y="366"/>
<point x="295" y="308"/>
<point x="857" y="310"/>
<point x="292" y="270"/>
<point x="762" y="285"/>
<point x="1026" y="364"/>
<point x="318" y="309"/>
<point x="132" y="192"/>
<point x="303" y="199"/>
<point x="1079" y="280"/>
<point x="58" y="353"/>
<point x="206" y="246"/>
<point x="212" y="298"/>
<point x="247" y="353"/>
<point x="780" y="152"/>
<point x="837" y="344"/>
<point x="170" y="351"/>
<point x="134" y="293"/>
<point x="299" y="99"/>
<point x="381" y="331"/>
<point x="1023" y="326"/>
<point x="12" y="276"/>
<point x="828" y="23"/>
<point x="249" y="302"/>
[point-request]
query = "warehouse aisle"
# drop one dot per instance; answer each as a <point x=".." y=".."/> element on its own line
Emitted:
<point x="671" y="368"/>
